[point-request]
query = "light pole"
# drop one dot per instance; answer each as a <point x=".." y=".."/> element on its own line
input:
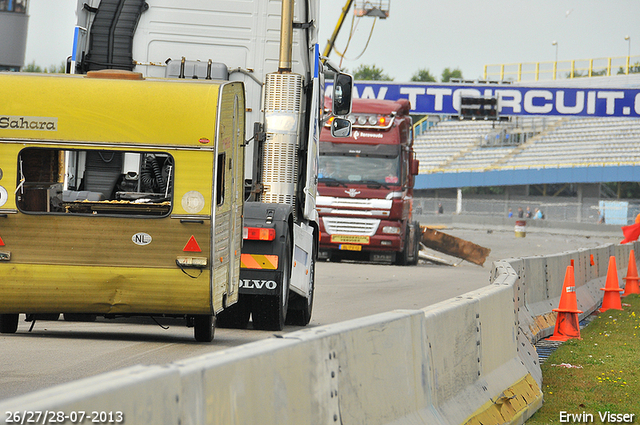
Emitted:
<point x="555" y="64"/>
<point x="628" y="38"/>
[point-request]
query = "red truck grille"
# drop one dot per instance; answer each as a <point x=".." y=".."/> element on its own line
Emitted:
<point x="350" y="226"/>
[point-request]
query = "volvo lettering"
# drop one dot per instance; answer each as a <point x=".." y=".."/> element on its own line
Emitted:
<point x="258" y="284"/>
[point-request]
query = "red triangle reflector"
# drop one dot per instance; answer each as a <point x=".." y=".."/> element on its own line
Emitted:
<point x="1" y="242"/>
<point x="192" y="245"/>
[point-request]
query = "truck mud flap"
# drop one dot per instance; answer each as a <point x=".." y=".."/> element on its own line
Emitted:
<point x="253" y="282"/>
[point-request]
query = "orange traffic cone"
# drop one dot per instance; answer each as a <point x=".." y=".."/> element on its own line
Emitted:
<point x="567" y="324"/>
<point x="631" y="287"/>
<point x="611" y="290"/>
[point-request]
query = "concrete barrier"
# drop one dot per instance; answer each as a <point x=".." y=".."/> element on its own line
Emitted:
<point x="467" y="360"/>
<point x="135" y="395"/>
<point x="365" y="371"/>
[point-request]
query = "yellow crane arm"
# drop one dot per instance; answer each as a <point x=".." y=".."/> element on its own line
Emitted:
<point x="332" y="40"/>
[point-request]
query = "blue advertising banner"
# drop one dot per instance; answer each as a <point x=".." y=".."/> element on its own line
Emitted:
<point x="444" y="99"/>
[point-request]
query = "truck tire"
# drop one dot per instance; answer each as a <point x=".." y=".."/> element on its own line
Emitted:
<point x="8" y="323"/>
<point x="270" y="312"/>
<point x="402" y="258"/>
<point x="416" y="254"/>
<point x="237" y="315"/>
<point x="416" y="245"/>
<point x="204" y="328"/>
<point x="409" y="255"/>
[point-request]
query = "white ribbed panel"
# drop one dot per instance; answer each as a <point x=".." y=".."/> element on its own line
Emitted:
<point x="280" y="170"/>
<point x="282" y="106"/>
<point x="283" y="92"/>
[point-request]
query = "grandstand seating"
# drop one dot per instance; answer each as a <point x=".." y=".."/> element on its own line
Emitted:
<point x="448" y="139"/>
<point x="454" y="145"/>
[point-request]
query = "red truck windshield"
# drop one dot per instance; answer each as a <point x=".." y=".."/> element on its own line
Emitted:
<point x="359" y="169"/>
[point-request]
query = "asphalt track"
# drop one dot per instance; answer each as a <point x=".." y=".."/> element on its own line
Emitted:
<point x="57" y="352"/>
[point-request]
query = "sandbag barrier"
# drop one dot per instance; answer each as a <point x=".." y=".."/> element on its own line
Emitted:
<point x="467" y="360"/>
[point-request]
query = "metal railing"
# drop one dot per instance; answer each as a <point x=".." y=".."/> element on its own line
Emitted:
<point x="424" y="124"/>
<point x="554" y="209"/>
<point x="535" y="71"/>
<point x="529" y="166"/>
<point x="517" y="124"/>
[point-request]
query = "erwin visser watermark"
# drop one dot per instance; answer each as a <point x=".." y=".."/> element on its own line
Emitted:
<point x="605" y="417"/>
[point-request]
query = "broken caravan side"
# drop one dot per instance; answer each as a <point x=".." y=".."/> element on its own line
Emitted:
<point x="110" y="208"/>
<point x="271" y="46"/>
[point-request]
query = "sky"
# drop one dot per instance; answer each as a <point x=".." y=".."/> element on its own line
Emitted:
<point x="50" y="32"/>
<point x="426" y="34"/>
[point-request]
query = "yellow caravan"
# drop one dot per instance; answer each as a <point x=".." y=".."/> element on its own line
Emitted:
<point x="120" y="196"/>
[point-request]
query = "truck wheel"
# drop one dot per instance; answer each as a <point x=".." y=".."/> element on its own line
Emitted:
<point x="416" y="245"/>
<point x="204" y="328"/>
<point x="402" y="258"/>
<point x="8" y="323"/>
<point x="235" y="316"/>
<point x="269" y="312"/>
<point x="409" y="255"/>
<point x="416" y="254"/>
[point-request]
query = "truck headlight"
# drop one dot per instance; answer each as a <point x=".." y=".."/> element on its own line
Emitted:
<point x="391" y="229"/>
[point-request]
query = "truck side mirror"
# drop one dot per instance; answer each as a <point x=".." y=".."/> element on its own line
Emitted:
<point x="340" y="127"/>
<point x="342" y="92"/>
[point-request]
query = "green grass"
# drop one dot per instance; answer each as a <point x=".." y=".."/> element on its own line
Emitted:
<point x="607" y="372"/>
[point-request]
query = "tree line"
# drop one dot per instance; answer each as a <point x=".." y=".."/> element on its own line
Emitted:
<point x="633" y="69"/>
<point x="53" y="69"/>
<point x="373" y="73"/>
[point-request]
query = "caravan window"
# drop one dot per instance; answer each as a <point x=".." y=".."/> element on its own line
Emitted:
<point x="96" y="182"/>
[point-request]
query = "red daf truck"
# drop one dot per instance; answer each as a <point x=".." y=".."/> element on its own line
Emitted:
<point x="365" y="186"/>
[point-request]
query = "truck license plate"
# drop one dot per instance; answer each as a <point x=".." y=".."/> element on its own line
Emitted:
<point x="347" y="247"/>
<point x="350" y="239"/>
